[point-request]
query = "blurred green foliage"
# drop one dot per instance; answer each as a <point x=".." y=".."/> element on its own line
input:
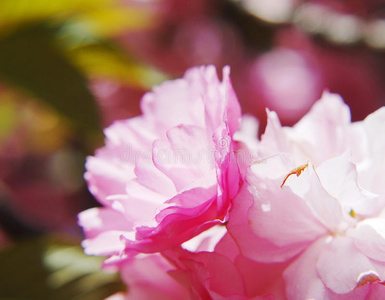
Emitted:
<point x="53" y="268"/>
<point x="30" y="60"/>
<point x="50" y="50"/>
<point x="103" y="17"/>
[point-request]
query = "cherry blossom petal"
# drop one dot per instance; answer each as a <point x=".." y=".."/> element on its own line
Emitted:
<point x="264" y="231"/>
<point x="147" y="278"/>
<point x="369" y="238"/>
<point x="340" y="265"/>
<point x="339" y="177"/>
<point x="321" y="134"/>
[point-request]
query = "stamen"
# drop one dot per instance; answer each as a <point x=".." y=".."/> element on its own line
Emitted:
<point x="296" y="171"/>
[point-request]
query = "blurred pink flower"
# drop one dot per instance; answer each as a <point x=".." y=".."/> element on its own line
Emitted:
<point x="116" y="100"/>
<point x="190" y="42"/>
<point x="354" y="73"/>
<point x="315" y="195"/>
<point x="167" y="175"/>
<point x="284" y="80"/>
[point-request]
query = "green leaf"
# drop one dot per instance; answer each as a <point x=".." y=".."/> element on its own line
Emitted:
<point x="29" y="59"/>
<point x="102" y="17"/>
<point x="53" y="268"/>
<point x="105" y="60"/>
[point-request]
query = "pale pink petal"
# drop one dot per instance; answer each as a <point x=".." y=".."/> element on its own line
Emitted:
<point x="274" y="139"/>
<point x="301" y="278"/>
<point x="339" y="178"/>
<point x="173" y="103"/>
<point x="179" y="157"/>
<point x="232" y="109"/>
<point x="246" y="138"/>
<point x="103" y="228"/>
<point x="341" y="265"/>
<point x="326" y="208"/>
<point x="206" y="241"/>
<point x="104" y="178"/>
<point x="138" y="213"/>
<point x="273" y="167"/>
<point x="245" y="223"/>
<point x="147" y="278"/>
<point x="373" y="125"/>
<point x="97" y="220"/>
<point x="148" y="175"/>
<point x="213" y="276"/>
<point x="113" y="165"/>
<point x="281" y="216"/>
<point x="117" y="296"/>
<point x="369" y="238"/>
<point x="106" y="243"/>
<point x="321" y="134"/>
<point x="374" y="170"/>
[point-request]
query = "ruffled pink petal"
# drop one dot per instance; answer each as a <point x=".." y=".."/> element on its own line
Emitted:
<point x="113" y="166"/>
<point x="274" y="139"/>
<point x="247" y="142"/>
<point x="374" y="168"/>
<point x="232" y="110"/>
<point x="176" y="225"/>
<point x="301" y="278"/>
<point x="275" y="226"/>
<point x="207" y="240"/>
<point x="182" y="158"/>
<point x="104" y="178"/>
<point x="282" y="217"/>
<point x="308" y="187"/>
<point x="372" y="124"/>
<point x="150" y="177"/>
<point x="176" y="102"/>
<point x="211" y="275"/>
<point x="339" y="177"/>
<point x="377" y="291"/>
<point x="262" y="279"/>
<point x="105" y="243"/>
<point x="147" y="278"/>
<point x="341" y="265"/>
<point x="117" y="296"/>
<point x="369" y="238"/>
<point x="321" y="134"/>
<point x="139" y="213"/>
<point x="103" y="228"/>
<point x="97" y="220"/>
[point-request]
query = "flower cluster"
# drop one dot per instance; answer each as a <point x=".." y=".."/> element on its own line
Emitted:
<point x="194" y="206"/>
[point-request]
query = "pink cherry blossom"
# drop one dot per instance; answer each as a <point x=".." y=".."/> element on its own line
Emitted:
<point x="315" y="196"/>
<point x="165" y="176"/>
